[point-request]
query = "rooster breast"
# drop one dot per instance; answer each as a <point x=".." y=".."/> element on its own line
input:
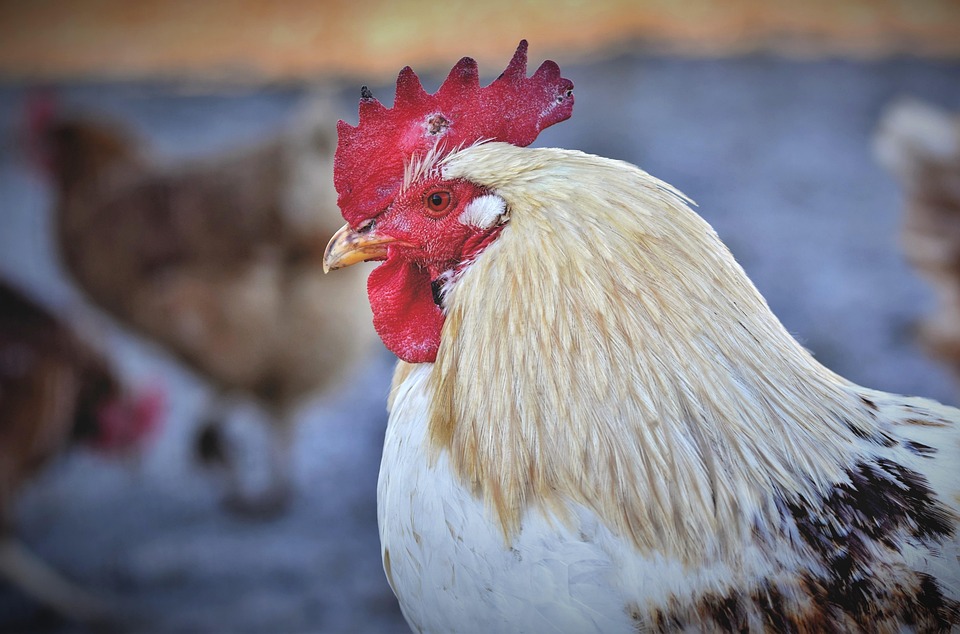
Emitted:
<point x="449" y="564"/>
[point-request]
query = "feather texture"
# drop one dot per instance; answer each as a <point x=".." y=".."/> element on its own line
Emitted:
<point x="614" y="404"/>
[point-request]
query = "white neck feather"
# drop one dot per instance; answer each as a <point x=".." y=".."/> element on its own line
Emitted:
<point x="608" y="342"/>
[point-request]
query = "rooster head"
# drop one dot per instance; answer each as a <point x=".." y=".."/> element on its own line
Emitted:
<point x="130" y="422"/>
<point x="400" y="208"/>
<point x="113" y="419"/>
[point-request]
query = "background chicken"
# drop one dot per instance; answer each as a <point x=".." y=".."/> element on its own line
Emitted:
<point x="55" y="391"/>
<point x="598" y="424"/>
<point x="218" y="260"/>
<point x="920" y="145"/>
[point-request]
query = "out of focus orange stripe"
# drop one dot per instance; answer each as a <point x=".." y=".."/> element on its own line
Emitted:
<point x="263" y="40"/>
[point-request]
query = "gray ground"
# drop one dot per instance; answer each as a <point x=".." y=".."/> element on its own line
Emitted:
<point x="776" y="152"/>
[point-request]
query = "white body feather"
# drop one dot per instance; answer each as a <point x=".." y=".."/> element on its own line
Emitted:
<point x="452" y="571"/>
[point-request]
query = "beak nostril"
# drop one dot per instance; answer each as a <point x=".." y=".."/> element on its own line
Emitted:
<point x="349" y="246"/>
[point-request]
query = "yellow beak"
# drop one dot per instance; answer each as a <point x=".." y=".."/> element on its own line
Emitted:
<point x="347" y="247"/>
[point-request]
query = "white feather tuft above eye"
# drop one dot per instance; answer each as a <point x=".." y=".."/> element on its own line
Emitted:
<point x="484" y="212"/>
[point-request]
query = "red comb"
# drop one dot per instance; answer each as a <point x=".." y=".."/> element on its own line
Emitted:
<point x="368" y="166"/>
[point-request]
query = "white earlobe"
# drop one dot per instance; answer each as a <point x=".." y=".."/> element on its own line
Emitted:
<point x="484" y="212"/>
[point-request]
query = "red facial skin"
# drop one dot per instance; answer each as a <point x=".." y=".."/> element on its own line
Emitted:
<point x="369" y="170"/>
<point x="430" y="240"/>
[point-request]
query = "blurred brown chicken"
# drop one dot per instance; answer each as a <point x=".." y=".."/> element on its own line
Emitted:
<point x="54" y="391"/>
<point x="920" y="145"/>
<point x="219" y="260"/>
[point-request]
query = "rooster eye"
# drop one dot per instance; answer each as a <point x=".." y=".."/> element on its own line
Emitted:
<point x="438" y="202"/>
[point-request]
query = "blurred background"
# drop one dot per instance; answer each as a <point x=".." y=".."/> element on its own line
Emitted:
<point x="165" y="192"/>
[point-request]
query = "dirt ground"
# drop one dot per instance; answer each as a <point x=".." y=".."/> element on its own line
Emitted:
<point x="775" y="152"/>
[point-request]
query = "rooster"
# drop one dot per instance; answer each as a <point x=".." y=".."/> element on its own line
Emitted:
<point x="920" y="145"/>
<point x="597" y="424"/>
<point x="55" y="391"/>
<point x="219" y="260"/>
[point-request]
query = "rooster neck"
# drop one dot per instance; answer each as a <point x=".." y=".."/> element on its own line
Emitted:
<point x="626" y="363"/>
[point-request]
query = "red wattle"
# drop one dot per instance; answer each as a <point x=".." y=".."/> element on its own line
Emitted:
<point x="404" y="314"/>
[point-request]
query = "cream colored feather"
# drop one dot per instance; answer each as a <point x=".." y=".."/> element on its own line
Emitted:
<point x="607" y="360"/>
<point x="643" y="362"/>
